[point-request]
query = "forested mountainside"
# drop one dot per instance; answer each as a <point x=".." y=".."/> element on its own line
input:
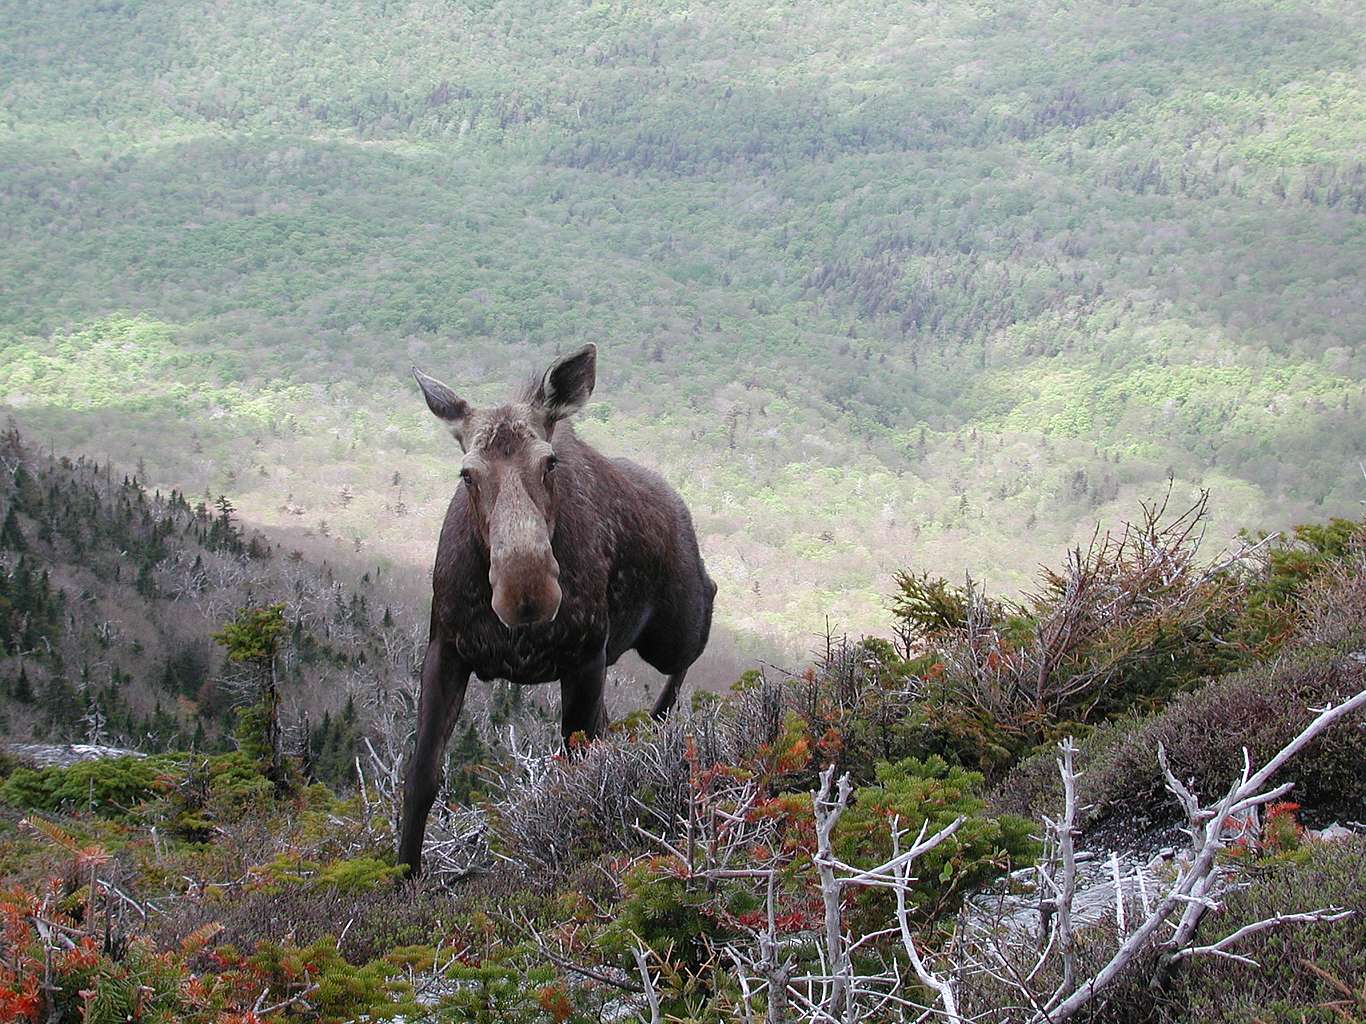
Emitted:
<point x="1133" y="797"/>
<point x="877" y="284"/>
<point x="113" y="603"/>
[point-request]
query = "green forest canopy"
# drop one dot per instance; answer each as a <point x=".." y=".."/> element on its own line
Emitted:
<point x="877" y="284"/>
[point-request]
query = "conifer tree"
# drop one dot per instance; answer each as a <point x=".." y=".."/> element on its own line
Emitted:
<point x="252" y="639"/>
<point x="23" y="689"/>
<point x="11" y="537"/>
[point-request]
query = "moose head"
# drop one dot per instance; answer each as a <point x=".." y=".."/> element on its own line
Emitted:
<point x="510" y="478"/>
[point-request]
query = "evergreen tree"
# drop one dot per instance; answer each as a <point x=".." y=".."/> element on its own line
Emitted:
<point x="11" y="537"/>
<point x="9" y="616"/>
<point x="252" y="639"/>
<point x="146" y="583"/>
<point x="23" y="688"/>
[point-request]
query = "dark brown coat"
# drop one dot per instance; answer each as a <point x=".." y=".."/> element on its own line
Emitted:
<point x="554" y="560"/>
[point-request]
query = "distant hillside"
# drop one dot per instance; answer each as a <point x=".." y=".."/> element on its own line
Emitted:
<point x="878" y="284"/>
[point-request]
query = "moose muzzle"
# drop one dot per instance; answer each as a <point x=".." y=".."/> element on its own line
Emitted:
<point x="522" y="568"/>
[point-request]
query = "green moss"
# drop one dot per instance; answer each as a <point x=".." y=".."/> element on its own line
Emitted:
<point x="358" y="874"/>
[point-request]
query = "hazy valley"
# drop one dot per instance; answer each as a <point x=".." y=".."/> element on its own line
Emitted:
<point x="876" y="287"/>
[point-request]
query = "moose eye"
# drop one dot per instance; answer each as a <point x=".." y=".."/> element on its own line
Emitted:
<point x="551" y="462"/>
<point x="466" y="477"/>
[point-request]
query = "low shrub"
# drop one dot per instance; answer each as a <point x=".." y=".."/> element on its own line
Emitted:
<point x="331" y="990"/>
<point x="193" y="793"/>
<point x="1333" y="605"/>
<point x="187" y="982"/>
<point x="498" y="993"/>
<point x="95" y="989"/>
<point x="112" y="787"/>
<point x="1303" y="973"/>
<point x="932" y="793"/>
<point x="1314" y="973"/>
<point x="1204" y="733"/>
<point x="8" y="764"/>
<point x="199" y="795"/>
<point x="1294" y="566"/>
<point x="369" y="923"/>
<point x="1128" y="622"/>
<point x="346" y="874"/>
<point x="1122" y="628"/>
<point x="675" y="916"/>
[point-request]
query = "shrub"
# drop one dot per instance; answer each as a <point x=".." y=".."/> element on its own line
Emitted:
<point x="1301" y="970"/>
<point x="112" y="787"/>
<point x="1332" y="606"/>
<point x="495" y="993"/>
<point x="571" y="809"/>
<point x="1292" y="567"/>
<point x="142" y="985"/>
<point x="9" y="763"/>
<point x="181" y="983"/>
<point x="194" y="793"/>
<point x="1127" y="622"/>
<point x="863" y="704"/>
<point x="202" y="794"/>
<point x="1123" y="627"/>
<point x="930" y="608"/>
<point x="358" y="874"/>
<point x="346" y="875"/>
<point x="918" y="793"/>
<point x="343" y="992"/>
<point x="673" y="915"/>
<point x="1204" y="733"/>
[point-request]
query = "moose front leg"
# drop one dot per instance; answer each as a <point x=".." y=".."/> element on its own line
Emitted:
<point x="444" y="680"/>
<point x="581" y="704"/>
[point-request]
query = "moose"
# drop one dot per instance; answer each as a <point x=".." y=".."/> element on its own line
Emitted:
<point x="554" y="560"/>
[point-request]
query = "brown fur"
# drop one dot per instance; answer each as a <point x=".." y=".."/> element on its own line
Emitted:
<point x="603" y="545"/>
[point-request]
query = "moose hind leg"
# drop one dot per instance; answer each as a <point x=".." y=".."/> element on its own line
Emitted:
<point x="444" y="681"/>
<point x="665" y="701"/>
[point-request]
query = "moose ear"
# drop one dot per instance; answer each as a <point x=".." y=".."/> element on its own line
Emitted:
<point x="444" y="403"/>
<point x="569" y="383"/>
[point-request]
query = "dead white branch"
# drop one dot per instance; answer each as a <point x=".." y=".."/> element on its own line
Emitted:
<point x="840" y="983"/>
<point x="648" y="983"/>
<point x="1220" y="948"/>
<point x="1198" y="885"/>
